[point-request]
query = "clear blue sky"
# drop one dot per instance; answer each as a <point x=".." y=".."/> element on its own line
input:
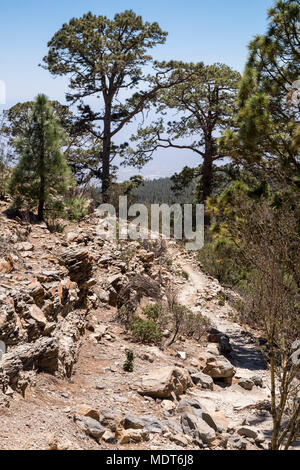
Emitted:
<point x="199" y="30"/>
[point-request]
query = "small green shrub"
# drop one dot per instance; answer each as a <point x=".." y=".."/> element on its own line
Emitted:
<point x="128" y="364"/>
<point x="145" y="331"/>
<point x="77" y="208"/>
<point x="154" y="311"/>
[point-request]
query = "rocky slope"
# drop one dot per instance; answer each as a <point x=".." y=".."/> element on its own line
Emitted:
<point x="62" y="383"/>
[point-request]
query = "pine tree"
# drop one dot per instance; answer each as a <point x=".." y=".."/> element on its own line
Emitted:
<point x="42" y="175"/>
<point x="267" y="133"/>
<point x="110" y="61"/>
<point x="204" y="107"/>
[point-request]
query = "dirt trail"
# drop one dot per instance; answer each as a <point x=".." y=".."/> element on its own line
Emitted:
<point x="235" y="402"/>
<point x="247" y="358"/>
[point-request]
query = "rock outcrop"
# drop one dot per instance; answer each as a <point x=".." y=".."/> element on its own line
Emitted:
<point x="164" y="382"/>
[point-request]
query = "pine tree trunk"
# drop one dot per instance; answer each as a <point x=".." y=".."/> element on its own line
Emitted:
<point x="106" y="153"/>
<point x="207" y="181"/>
<point x="42" y="179"/>
<point x="105" y="170"/>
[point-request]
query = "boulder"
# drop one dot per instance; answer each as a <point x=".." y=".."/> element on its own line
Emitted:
<point x="91" y="427"/>
<point x="132" y="422"/>
<point x="110" y="419"/>
<point x="99" y="331"/>
<point x="219" y="368"/>
<point x="115" y="281"/>
<point x="246" y="384"/>
<point x="109" y="437"/>
<point x="197" y="428"/>
<point x="258" y="381"/>
<point x="24" y="246"/>
<point x="216" y="336"/>
<point x="190" y="405"/>
<point x="245" y="431"/>
<point x="215" y="420"/>
<point x="150" y="423"/>
<point x="237" y="443"/>
<point x="224" y="345"/>
<point x="126" y="436"/>
<point x="163" y="382"/>
<point x="202" y="380"/>
<point x="179" y="440"/>
<point x="146" y="257"/>
<point x="86" y="410"/>
<point x="74" y="237"/>
<point x="168" y="406"/>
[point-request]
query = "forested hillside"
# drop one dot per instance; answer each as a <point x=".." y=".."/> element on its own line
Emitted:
<point x="158" y="191"/>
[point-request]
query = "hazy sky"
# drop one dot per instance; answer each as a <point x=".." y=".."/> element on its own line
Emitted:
<point x="199" y="30"/>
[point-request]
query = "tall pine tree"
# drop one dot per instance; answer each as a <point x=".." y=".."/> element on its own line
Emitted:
<point x="267" y="135"/>
<point x="42" y="175"/>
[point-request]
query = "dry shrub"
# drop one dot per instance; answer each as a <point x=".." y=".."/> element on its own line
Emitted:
<point x="132" y="292"/>
<point x="269" y="244"/>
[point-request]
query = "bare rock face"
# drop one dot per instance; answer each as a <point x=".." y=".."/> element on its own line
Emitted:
<point x="162" y="383"/>
<point x="9" y="324"/>
<point x="68" y="334"/>
<point x="41" y="356"/>
<point x="6" y="264"/>
<point x="43" y="317"/>
<point x="79" y="264"/>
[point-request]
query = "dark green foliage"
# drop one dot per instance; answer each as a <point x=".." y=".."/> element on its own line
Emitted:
<point x="103" y="57"/>
<point x="128" y="364"/>
<point x="204" y="103"/>
<point x="154" y="312"/>
<point x="267" y="135"/>
<point x="42" y="176"/>
<point x="4" y="172"/>
<point x="145" y="331"/>
<point x="76" y="208"/>
<point x="159" y="191"/>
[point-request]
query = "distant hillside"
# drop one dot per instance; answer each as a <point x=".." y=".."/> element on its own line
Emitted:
<point x="159" y="191"/>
